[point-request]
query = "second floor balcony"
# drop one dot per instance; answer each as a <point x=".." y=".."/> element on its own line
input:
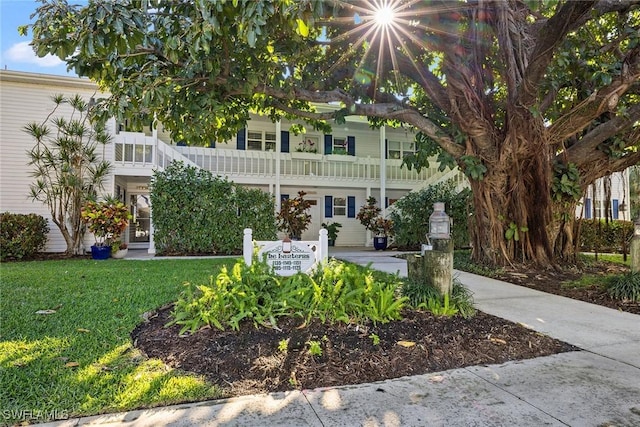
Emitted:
<point x="137" y="152"/>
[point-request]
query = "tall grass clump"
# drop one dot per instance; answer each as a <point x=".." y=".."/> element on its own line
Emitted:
<point x="625" y="287"/>
<point x="423" y="296"/>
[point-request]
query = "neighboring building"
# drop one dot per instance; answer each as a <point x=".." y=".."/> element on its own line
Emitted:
<point x="594" y="203"/>
<point x="265" y="155"/>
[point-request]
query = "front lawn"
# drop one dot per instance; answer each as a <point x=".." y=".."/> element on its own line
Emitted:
<point x="65" y="348"/>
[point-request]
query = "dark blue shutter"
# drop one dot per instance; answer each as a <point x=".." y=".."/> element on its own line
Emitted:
<point x="386" y="202"/>
<point x="328" y="206"/>
<point x="386" y="148"/>
<point x="616" y="208"/>
<point x="587" y="208"/>
<point x="284" y="141"/>
<point x="351" y="145"/>
<point x="351" y="207"/>
<point x="212" y="144"/>
<point x="241" y="139"/>
<point x="328" y="144"/>
<point x="284" y="197"/>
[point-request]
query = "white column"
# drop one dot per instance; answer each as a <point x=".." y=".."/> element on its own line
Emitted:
<point x="278" y="150"/>
<point x="383" y="170"/>
<point x="152" y="242"/>
<point x="247" y="246"/>
<point x="368" y="237"/>
<point x="323" y="252"/>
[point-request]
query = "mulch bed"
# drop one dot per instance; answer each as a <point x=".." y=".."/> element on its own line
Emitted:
<point x="249" y="361"/>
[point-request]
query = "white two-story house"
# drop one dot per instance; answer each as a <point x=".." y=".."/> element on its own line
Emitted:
<point x="338" y="171"/>
<point x="264" y="155"/>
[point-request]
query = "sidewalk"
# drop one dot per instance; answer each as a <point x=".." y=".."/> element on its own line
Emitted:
<point x="599" y="386"/>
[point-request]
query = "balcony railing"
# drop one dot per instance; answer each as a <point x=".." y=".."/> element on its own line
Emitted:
<point x="139" y="150"/>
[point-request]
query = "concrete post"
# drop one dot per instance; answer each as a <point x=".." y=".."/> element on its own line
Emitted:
<point x="439" y="265"/>
<point x="635" y="248"/>
<point x="435" y="267"/>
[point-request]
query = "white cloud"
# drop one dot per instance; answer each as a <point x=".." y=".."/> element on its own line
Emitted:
<point x="22" y="52"/>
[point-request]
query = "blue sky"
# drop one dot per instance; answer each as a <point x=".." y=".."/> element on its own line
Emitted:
<point x="15" y="52"/>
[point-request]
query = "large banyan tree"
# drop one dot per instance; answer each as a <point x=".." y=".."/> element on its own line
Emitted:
<point x="533" y="100"/>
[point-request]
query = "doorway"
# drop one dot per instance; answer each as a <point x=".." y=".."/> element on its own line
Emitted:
<point x="316" y="220"/>
<point x="140" y="225"/>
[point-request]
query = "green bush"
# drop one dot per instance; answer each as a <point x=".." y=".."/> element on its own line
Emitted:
<point x="411" y="213"/>
<point x="625" y="287"/>
<point x="596" y="235"/>
<point x="195" y="212"/>
<point x="427" y="297"/>
<point x="22" y="236"/>
<point x="335" y="292"/>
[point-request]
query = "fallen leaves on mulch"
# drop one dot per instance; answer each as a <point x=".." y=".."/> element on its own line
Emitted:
<point x="253" y="360"/>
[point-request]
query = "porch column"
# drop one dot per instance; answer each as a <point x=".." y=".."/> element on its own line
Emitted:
<point x="383" y="170"/>
<point x="368" y="237"/>
<point x="278" y="149"/>
<point x="154" y="126"/>
<point x="152" y="243"/>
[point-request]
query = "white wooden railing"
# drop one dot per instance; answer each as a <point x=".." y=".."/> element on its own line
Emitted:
<point x="138" y="150"/>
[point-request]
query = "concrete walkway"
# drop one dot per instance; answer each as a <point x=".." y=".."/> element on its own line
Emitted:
<point x="598" y="386"/>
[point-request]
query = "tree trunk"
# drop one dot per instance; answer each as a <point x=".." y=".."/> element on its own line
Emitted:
<point x="513" y="205"/>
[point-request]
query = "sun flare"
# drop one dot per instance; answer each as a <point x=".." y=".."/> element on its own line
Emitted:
<point x="384" y="16"/>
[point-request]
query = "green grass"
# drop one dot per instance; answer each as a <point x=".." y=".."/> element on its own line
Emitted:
<point x="80" y="359"/>
<point x="615" y="258"/>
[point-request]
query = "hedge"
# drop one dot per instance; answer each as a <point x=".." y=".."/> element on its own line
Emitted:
<point x="22" y="235"/>
<point x="411" y="213"/>
<point x="597" y="235"/>
<point x="195" y="212"/>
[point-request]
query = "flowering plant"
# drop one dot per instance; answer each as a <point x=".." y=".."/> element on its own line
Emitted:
<point x="307" y="146"/>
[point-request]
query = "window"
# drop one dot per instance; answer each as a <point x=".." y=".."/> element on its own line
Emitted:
<point x="399" y="149"/>
<point x="261" y="141"/>
<point x="309" y="144"/>
<point x="339" y="146"/>
<point x="598" y="208"/>
<point x="339" y="206"/>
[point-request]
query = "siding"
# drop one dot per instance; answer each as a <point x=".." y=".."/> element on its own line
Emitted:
<point x="26" y="98"/>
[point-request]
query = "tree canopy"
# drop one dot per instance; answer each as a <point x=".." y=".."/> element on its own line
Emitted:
<point x="533" y="100"/>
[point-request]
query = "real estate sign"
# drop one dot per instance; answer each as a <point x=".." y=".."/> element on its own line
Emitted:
<point x="290" y="259"/>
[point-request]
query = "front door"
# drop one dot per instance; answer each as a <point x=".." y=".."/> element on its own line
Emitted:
<point x="316" y="220"/>
<point x="140" y="225"/>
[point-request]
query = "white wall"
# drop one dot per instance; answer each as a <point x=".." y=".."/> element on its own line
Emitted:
<point x="25" y="98"/>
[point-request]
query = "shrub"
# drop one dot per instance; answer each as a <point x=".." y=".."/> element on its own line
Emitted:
<point x="625" y="287"/>
<point x="424" y="296"/>
<point x="22" y="235"/>
<point x="335" y="292"/>
<point x="107" y="220"/>
<point x="195" y="212"/>
<point x="597" y="235"/>
<point x="411" y="213"/>
<point x="293" y="218"/>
